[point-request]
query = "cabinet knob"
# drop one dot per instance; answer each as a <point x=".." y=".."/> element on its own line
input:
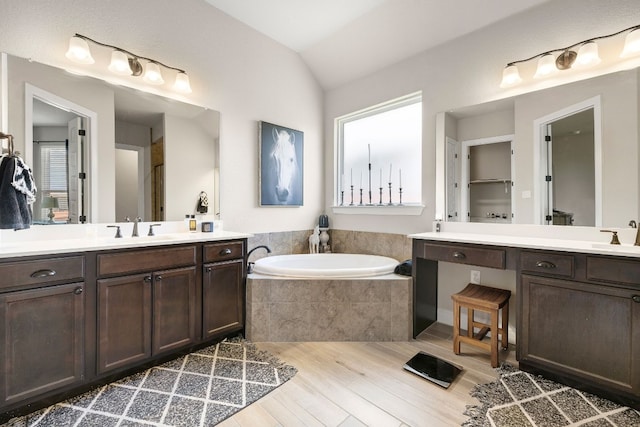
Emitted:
<point x="78" y="291"/>
<point x="43" y="273"/>
<point x="459" y="255"/>
<point x="545" y="264"/>
<point x="208" y="270"/>
<point x="147" y="279"/>
<point x="158" y="278"/>
<point x="225" y="251"/>
<point x="636" y="298"/>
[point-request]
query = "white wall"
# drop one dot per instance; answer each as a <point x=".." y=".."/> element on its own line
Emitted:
<point x="233" y="69"/>
<point x="126" y="184"/>
<point x="467" y="71"/>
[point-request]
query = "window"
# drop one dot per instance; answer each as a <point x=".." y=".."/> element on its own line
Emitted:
<point x="381" y="147"/>
<point x="52" y="164"/>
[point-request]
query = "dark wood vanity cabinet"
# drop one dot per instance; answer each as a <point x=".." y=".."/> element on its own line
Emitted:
<point x="223" y="288"/>
<point x="579" y="320"/>
<point x="42" y="315"/>
<point x="148" y="313"/>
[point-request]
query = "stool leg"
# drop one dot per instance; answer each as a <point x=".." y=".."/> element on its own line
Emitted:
<point x="470" y="314"/>
<point x="494" y="338"/>
<point x="505" y="326"/>
<point x="456" y="328"/>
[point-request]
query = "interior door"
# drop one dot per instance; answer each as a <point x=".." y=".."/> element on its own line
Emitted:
<point x="76" y="171"/>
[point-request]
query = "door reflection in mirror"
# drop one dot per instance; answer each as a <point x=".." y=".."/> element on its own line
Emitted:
<point x="59" y="164"/>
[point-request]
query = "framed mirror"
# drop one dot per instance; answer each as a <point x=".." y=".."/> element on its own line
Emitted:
<point x="143" y="155"/>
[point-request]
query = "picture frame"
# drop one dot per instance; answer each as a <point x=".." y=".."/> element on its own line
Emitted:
<point x="281" y="150"/>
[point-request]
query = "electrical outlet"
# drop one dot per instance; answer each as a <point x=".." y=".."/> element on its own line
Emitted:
<point x="475" y="277"/>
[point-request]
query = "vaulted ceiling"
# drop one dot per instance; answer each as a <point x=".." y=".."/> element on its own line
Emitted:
<point x="342" y="40"/>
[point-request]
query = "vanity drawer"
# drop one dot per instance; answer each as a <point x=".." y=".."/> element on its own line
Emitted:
<point x="613" y="270"/>
<point x="483" y="257"/>
<point x="547" y="263"/>
<point x="223" y="251"/>
<point x="126" y="262"/>
<point x="41" y="271"/>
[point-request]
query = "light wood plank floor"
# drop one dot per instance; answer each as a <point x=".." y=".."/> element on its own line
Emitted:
<point x="351" y="384"/>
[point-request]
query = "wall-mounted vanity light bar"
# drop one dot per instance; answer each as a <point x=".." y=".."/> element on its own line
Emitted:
<point x="126" y="63"/>
<point x="586" y="56"/>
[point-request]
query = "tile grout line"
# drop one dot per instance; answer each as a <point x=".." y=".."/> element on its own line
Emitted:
<point x="208" y="395"/>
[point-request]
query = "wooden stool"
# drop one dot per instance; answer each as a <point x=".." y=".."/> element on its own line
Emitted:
<point x="489" y="300"/>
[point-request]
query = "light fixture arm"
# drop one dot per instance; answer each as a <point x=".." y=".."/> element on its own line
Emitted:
<point x="128" y="53"/>
<point x="564" y="49"/>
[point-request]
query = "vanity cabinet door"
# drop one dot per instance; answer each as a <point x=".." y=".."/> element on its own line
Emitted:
<point x="590" y="333"/>
<point x="223" y="298"/>
<point x="41" y="340"/>
<point x="174" y="309"/>
<point x="124" y="321"/>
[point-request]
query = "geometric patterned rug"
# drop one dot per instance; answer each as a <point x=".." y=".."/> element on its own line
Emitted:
<point x="199" y="389"/>
<point x="518" y="398"/>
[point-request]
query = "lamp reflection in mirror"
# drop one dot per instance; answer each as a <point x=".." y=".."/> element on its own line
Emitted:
<point x="587" y="56"/>
<point x="50" y="203"/>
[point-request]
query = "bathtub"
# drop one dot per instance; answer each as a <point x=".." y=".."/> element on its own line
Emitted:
<point x="328" y="297"/>
<point x="321" y="266"/>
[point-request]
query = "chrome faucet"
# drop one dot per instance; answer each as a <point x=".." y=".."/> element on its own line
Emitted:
<point x="136" y="220"/>
<point x="250" y="264"/>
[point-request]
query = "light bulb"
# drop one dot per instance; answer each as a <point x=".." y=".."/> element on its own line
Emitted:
<point x="546" y="66"/>
<point x="631" y="44"/>
<point x="182" y="83"/>
<point x="120" y="63"/>
<point x="79" y="51"/>
<point x="152" y="74"/>
<point x="588" y="55"/>
<point x="510" y="76"/>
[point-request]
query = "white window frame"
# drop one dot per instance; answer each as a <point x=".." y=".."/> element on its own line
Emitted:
<point x="344" y="208"/>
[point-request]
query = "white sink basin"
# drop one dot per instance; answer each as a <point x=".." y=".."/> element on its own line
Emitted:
<point x="625" y="247"/>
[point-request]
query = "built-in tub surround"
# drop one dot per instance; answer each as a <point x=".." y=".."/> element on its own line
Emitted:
<point x="287" y="309"/>
<point x="396" y="246"/>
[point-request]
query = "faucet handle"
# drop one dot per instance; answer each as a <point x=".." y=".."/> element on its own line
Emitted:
<point x="118" y="234"/>
<point x="150" y="233"/>
<point x="614" y="236"/>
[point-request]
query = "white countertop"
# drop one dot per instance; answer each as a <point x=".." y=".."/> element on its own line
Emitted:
<point x="557" y="238"/>
<point x="56" y="239"/>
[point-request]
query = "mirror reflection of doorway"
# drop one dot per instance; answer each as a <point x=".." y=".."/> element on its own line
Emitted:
<point x="569" y="169"/>
<point x="58" y="164"/>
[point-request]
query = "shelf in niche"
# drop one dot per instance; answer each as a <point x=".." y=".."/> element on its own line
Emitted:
<point x="490" y="181"/>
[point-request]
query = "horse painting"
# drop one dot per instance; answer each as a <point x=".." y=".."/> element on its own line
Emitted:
<point x="281" y="175"/>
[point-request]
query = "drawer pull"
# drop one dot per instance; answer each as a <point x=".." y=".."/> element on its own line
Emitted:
<point x="459" y="255"/>
<point x="636" y="298"/>
<point x="43" y="273"/>
<point x="545" y="264"/>
<point x="78" y="291"/>
<point x="225" y="251"/>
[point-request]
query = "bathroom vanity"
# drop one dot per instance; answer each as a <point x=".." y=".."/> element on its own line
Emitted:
<point x="83" y="312"/>
<point x="577" y="304"/>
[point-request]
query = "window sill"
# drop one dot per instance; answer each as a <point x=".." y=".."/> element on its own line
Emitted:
<point x="409" y="209"/>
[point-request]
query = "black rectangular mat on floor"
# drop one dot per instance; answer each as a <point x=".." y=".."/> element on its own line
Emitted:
<point x="433" y="369"/>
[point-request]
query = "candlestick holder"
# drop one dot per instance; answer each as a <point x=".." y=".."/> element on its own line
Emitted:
<point x="400" y="189"/>
<point x="370" y="184"/>
<point x="360" y="197"/>
<point x="390" y="202"/>
<point x="380" y="204"/>
<point x="341" y="197"/>
<point x="351" y="204"/>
